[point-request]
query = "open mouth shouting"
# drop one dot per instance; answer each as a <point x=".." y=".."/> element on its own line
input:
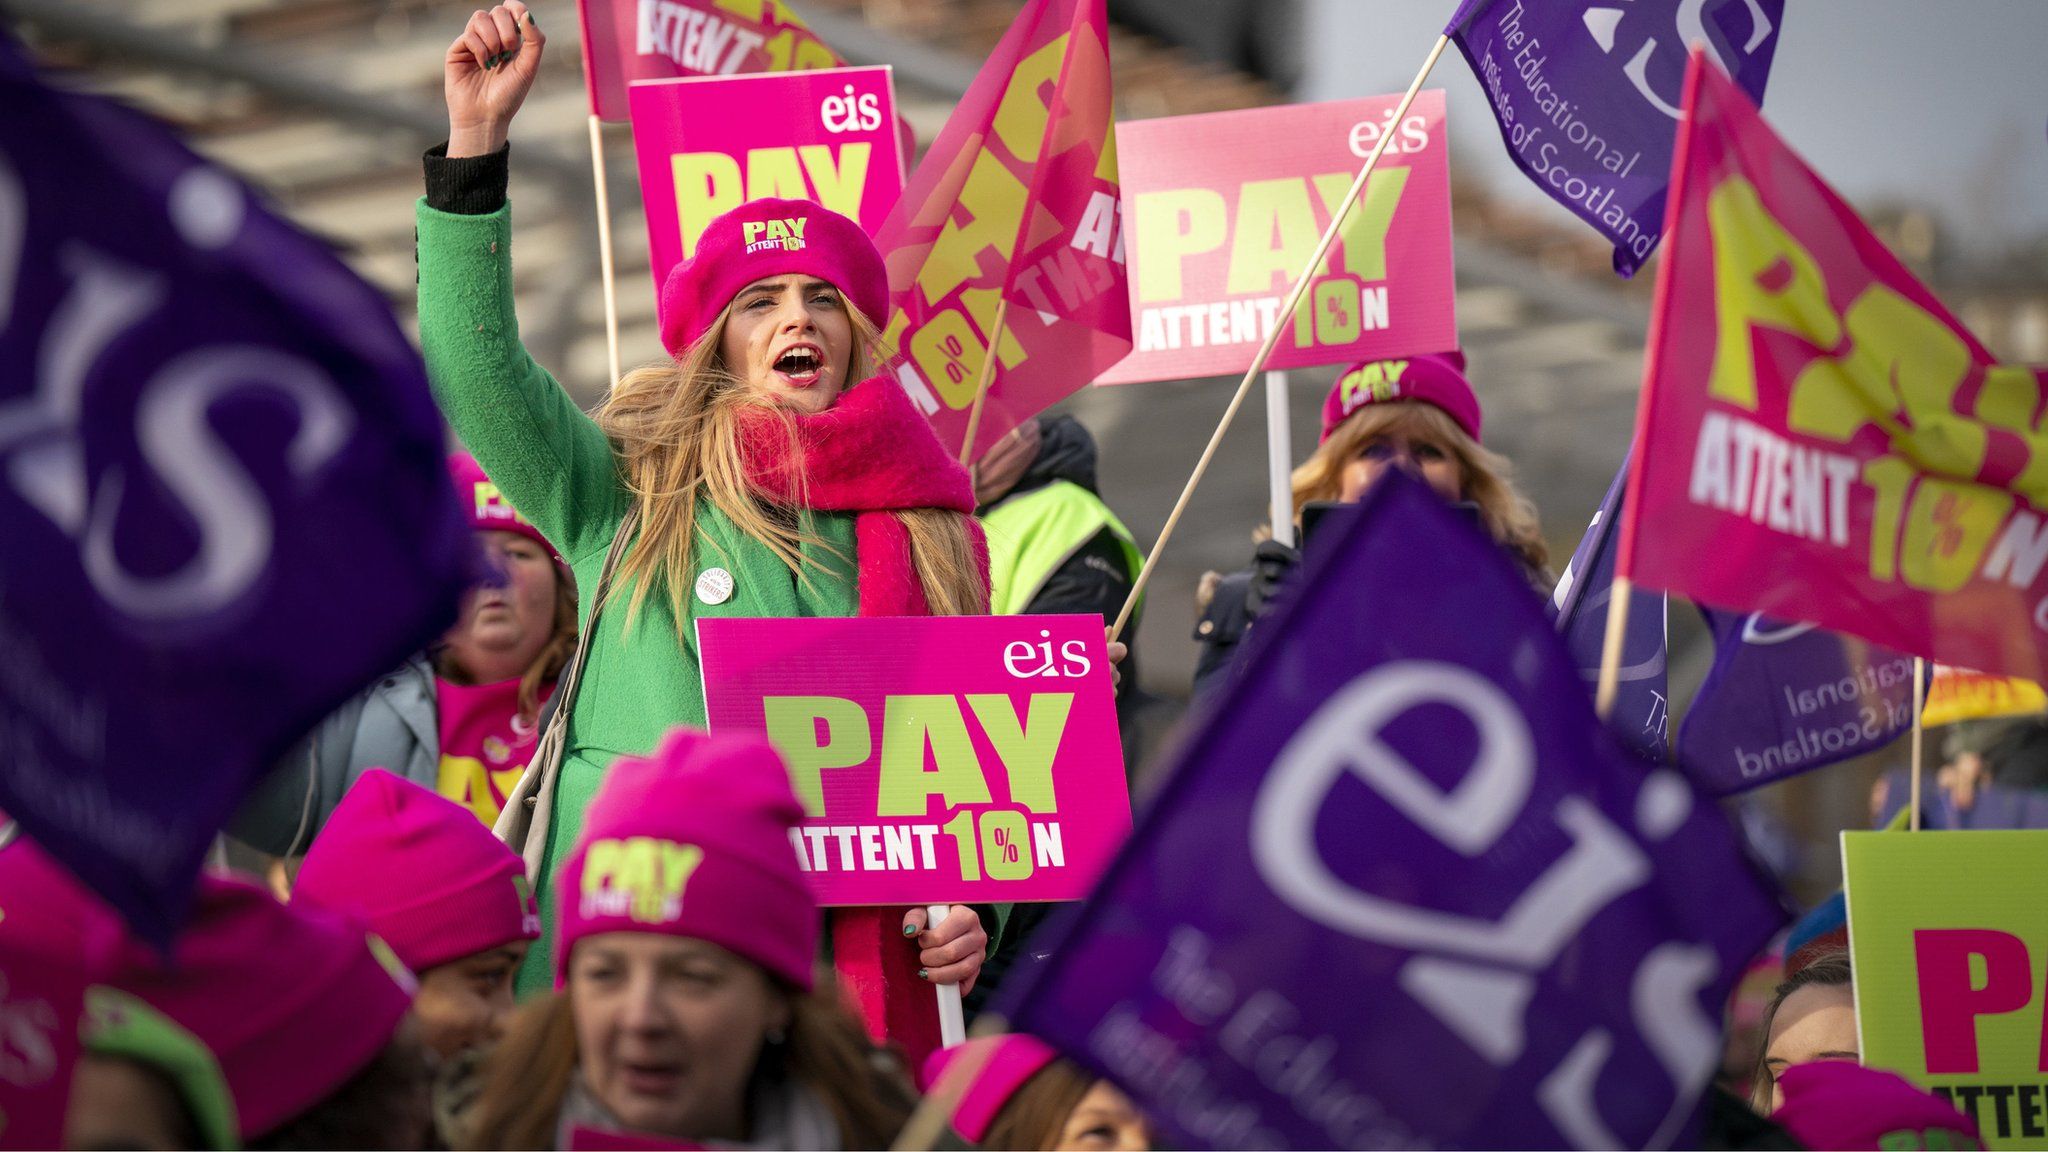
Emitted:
<point x="801" y="365"/>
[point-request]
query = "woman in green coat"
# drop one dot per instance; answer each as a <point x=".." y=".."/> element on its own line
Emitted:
<point x="759" y="472"/>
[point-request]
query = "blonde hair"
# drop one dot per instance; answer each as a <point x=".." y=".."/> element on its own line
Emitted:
<point x="1486" y="476"/>
<point x="674" y="429"/>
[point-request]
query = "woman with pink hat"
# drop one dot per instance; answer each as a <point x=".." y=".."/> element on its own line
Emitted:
<point x="1016" y="1092"/>
<point x="762" y="469"/>
<point x="448" y="897"/>
<point x="461" y="718"/>
<point x="1417" y="414"/>
<point x="686" y="1007"/>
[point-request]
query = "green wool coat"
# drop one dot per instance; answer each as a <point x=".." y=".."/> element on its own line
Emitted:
<point x="552" y="463"/>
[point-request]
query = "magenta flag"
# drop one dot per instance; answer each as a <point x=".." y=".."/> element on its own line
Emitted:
<point x="628" y="40"/>
<point x="1017" y="200"/>
<point x="1820" y="439"/>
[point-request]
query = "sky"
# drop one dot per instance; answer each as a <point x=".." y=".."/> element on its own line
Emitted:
<point x="1943" y="103"/>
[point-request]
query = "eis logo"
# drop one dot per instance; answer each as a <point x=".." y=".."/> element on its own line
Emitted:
<point x="786" y="234"/>
<point x="1023" y="659"/>
<point x="851" y="113"/>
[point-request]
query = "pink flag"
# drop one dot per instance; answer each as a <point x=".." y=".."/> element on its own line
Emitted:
<point x="1016" y="200"/>
<point x="627" y="40"/>
<point x="1820" y="439"/>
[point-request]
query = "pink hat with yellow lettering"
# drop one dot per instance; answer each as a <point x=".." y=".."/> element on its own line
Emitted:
<point x="763" y="238"/>
<point x="1437" y="380"/>
<point x="485" y="505"/>
<point x="1000" y="1066"/>
<point x="694" y="841"/>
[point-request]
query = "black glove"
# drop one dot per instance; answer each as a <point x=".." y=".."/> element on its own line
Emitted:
<point x="1272" y="562"/>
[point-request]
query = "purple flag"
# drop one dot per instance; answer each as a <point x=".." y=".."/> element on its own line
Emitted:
<point x="1642" y="699"/>
<point x="1586" y="93"/>
<point x="221" y="491"/>
<point x="1401" y="889"/>
<point x="1782" y="699"/>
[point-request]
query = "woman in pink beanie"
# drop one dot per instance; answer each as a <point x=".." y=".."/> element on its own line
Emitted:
<point x="448" y="897"/>
<point x="686" y="1005"/>
<point x="293" y="1021"/>
<point x="765" y="468"/>
<point x="1418" y="414"/>
<point x="1019" y="1093"/>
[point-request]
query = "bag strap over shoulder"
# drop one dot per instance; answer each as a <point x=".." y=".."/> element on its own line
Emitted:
<point x="531" y="803"/>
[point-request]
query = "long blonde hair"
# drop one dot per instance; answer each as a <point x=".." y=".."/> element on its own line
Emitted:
<point x="1488" y="477"/>
<point x="674" y="428"/>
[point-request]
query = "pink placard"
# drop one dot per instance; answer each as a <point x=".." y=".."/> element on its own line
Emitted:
<point x="709" y="144"/>
<point x="963" y="759"/>
<point x="1223" y="210"/>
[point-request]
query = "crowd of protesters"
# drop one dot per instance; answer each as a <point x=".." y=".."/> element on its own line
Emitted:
<point x="477" y="955"/>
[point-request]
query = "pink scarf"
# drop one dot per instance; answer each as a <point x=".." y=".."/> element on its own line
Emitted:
<point x="870" y="454"/>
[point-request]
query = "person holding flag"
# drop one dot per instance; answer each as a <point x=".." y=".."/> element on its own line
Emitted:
<point x="1419" y="415"/>
<point x="739" y="477"/>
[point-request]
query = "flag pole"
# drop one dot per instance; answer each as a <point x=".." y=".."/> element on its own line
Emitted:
<point x="982" y="380"/>
<point x="604" y="248"/>
<point x="1279" y="451"/>
<point x="952" y="1011"/>
<point x="1281" y="321"/>
<point x="1919" y="705"/>
<point x="1618" y="596"/>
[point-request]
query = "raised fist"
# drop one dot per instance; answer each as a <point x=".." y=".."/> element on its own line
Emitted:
<point x="488" y="71"/>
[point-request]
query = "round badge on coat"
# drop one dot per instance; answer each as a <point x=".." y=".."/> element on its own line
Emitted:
<point x="714" y="586"/>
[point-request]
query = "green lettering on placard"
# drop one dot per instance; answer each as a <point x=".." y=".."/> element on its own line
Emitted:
<point x="1027" y="750"/>
<point x="909" y="725"/>
<point x="961" y="829"/>
<point x="792" y="723"/>
<point x="1366" y="225"/>
<point x="1276" y="230"/>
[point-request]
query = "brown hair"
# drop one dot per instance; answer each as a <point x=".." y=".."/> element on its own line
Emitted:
<point x="827" y="1051"/>
<point x="1487" y="476"/>
<point x="1828" y="970"/>
<point x="1036" y="1114"/>
<point x="547" y="667"/>
<point x="674" y="429"/>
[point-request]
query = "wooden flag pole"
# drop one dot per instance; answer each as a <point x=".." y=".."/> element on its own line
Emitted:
<point x="604" y="248"/>
<point x="981" y="381"/>
<point x="1284" y="317"/>
<point x="1919" y="705"/>
<point x="1618" y="595"/>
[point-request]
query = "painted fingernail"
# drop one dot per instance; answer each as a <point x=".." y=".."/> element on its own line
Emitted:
<point x="910" y="929"/>
<point x="531" y="22"/>
<point x="924" y="974"/>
